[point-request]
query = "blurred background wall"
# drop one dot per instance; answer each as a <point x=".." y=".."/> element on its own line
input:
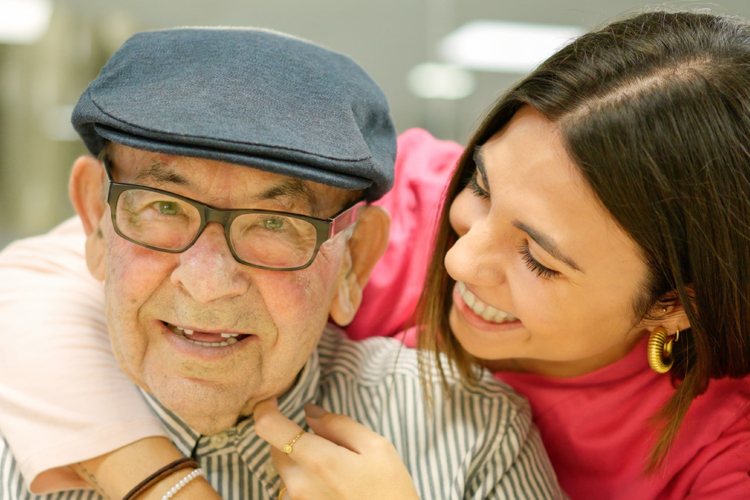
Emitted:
<point x="415" y="49"/>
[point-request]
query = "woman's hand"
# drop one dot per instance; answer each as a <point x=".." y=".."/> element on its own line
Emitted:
<point x="343" y="460"/>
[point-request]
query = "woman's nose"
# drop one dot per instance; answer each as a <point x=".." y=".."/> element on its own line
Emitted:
<point x="477" y="256"/>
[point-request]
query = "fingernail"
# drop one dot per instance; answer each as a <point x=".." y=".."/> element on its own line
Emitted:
<point x="314" y="410"/>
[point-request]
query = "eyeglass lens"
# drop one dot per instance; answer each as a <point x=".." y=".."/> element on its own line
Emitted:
<point x="168" y="223"/>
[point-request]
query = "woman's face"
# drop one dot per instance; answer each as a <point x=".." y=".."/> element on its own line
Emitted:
<point x="546" y="280"/>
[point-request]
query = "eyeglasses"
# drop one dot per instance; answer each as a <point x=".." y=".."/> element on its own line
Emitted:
<point x="265" y="239"/>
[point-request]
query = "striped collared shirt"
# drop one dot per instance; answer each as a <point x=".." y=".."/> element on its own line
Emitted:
<point x="476" y="442"/>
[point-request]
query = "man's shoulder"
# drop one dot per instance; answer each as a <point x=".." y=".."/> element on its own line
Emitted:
<point x="470" y="434"/>
<point x="367" y="361"/>
<point x="379" y="360"/>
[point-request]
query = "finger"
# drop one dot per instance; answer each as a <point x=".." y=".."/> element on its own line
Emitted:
<point x="285" y="465"/>
<point x="283" y="492"/>
<point x="279" y="431"/>
<point x="343" y="430"/>
<point x="292" y="474"/>
<point x="303" y="481"/>
<point x="275" y="428"/>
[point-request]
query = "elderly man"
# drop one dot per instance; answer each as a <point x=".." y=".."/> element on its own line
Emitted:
<point x="225" y="212"/>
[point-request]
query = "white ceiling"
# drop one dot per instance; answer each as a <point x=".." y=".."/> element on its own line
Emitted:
<point x="387" y="37"/>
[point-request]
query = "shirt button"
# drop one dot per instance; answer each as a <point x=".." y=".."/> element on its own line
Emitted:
<point x="219" y="440"/>
<point x="271" y="471"/>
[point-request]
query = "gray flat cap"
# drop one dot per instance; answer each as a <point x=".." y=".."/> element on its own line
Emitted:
<point x="244" y="96"/>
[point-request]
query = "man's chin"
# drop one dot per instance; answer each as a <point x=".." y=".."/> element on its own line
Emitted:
<point x="206" y="408"/>
<point x="209" y="425"/>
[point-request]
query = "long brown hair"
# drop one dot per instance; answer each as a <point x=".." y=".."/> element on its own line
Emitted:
<point x="655" y="111"/>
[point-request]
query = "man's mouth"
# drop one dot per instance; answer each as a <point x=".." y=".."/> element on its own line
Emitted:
<point x="206" y="339"/>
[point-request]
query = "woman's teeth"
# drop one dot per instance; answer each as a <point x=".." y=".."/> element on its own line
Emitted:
<point x="183" y="332"/>
<point x="487" y="312"/>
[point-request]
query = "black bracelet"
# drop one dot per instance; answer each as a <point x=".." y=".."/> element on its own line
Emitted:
<point x="181" y="463"/>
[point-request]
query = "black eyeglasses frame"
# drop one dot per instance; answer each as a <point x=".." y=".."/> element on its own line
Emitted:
<point x="325" y="228"/>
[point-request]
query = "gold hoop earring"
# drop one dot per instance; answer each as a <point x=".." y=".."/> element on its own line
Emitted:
<point x="660" y="350"/>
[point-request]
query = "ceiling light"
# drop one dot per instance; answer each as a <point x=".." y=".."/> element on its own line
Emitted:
<point x="440" y="81"/>
<point x="24" y="21"/>
<point x="503" y="46"/>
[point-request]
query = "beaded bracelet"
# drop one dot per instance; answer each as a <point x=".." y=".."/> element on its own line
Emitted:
<point x="185" y="480"/>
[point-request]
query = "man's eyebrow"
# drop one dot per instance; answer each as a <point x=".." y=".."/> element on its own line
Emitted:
<point x="479" y="162"/>
<point x="547" y="243"/>
<point x="160" y="173"/>
<point x="290" y="188"/>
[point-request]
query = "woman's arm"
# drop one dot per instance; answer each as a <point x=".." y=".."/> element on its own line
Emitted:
<point x="423" y="168"/>
<point x="113" y="475"/>
<point x="63" y="398"/>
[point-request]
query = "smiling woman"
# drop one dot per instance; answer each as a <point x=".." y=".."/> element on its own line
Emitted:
<point x="604" y="202"/>
<point x="535" y="244"/>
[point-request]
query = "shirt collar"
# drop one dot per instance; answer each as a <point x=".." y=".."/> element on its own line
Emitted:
<point x="252" y="449"/>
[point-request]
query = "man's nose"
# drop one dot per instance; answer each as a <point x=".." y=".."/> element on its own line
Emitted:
<point x="208" y="271"/>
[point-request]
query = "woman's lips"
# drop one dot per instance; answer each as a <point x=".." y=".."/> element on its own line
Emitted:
<point x="499" y="320"/>
<point x="481" y="309"/>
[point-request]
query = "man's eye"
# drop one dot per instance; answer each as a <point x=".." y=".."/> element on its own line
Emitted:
<point x="168" y="207"/>
<point x="273" y="224"/>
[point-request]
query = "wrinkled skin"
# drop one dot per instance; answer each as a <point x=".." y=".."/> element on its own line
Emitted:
<point x="206" y="289"/>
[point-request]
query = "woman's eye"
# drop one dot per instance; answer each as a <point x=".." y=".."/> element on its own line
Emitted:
<point x="273" y="224"/>
<point x="534" y="265"/>
<point x="168" y="207"/>
<point x="476" y="188"/>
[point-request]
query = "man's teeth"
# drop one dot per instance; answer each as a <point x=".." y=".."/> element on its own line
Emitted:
<point x="487" y="312"/>
<point x="229" y="336"/>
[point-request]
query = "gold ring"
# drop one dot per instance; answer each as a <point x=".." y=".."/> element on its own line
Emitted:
<point x="288" y="447"/>
<point x="281" y="492"/>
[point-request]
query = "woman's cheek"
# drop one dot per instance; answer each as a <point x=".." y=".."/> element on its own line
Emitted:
<point x="535" y="301"/>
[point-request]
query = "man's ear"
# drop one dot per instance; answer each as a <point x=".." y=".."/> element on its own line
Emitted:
<point x="365" y="247"/>
<point x="85" y="191"/>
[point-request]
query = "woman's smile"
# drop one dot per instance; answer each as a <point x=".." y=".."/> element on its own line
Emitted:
<point x="481" y="308"/>
<point x="479" y="314"/>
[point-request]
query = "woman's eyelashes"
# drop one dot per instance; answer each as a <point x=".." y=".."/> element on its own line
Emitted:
<point x="476" y="188"/>
<point x="534" y="265"/>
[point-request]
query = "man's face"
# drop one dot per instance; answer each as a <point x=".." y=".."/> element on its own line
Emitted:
<point x="278" y="315"/>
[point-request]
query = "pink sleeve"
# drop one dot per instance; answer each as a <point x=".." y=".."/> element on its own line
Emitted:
<point x="423" y="169"/>
<point x="63" y="398"/>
